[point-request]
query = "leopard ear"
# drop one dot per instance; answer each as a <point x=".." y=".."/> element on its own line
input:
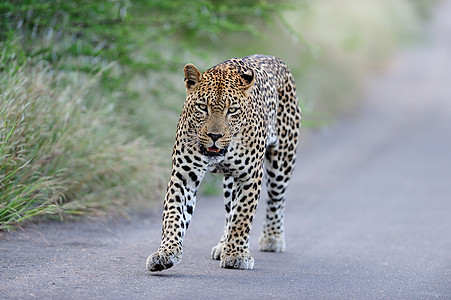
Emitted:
<point x="247" y="79"/>
<point x="192" y="76"/>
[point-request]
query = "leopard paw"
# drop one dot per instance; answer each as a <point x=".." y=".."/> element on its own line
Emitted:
<point x="160" y="261"/>
<point x="237" y="261"/>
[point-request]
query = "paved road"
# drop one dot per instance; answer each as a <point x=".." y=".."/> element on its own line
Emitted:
<point x="368" y="217"/>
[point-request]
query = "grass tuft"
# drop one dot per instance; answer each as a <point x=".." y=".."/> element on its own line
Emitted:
<point x="62" y="150"/>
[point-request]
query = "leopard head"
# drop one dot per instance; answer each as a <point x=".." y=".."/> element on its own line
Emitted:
<point x="217" y="104"/>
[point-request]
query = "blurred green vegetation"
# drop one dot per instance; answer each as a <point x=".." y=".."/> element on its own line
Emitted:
<point x="137" y="35"/>
<point x="91" y="90"/>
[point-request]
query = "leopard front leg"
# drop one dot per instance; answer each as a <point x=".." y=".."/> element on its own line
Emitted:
<point x="235" y="253"/>
<point x="228" y="191"/>
<point x="178" y="208"/>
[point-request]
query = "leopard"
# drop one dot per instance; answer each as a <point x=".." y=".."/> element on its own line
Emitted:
<point x="240" y="118"/>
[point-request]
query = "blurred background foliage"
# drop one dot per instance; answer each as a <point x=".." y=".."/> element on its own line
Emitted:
<point x="91" y="90"/>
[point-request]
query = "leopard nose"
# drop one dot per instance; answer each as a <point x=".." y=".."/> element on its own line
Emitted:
<point x="215" y="136"/>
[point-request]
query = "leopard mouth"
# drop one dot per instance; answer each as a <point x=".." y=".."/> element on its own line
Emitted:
<point x="212" y="151"/>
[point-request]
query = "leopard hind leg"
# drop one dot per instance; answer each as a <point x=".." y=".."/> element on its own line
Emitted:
<point x="280" y="160"/>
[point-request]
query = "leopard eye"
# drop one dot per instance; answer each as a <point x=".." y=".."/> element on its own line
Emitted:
<point x="233" y="110"/>
<point x="202" y="107"/>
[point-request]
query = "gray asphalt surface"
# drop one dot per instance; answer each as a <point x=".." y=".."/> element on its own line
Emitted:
<point x="368" y="214"/>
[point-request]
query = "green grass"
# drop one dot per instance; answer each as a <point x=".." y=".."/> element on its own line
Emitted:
<point x="62" y="150"/>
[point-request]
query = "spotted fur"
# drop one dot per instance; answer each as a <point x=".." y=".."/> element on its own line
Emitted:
<point x="239" y="117"/>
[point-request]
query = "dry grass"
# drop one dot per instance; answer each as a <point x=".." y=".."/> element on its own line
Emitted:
<point x="63" y="151"/>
